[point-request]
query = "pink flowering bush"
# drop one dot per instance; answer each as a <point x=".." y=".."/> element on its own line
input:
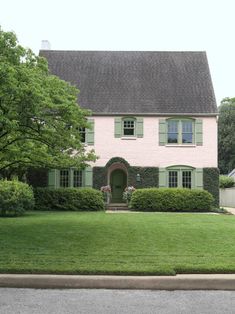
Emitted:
<point x="128" y="193"/>
<point x="106" y="191"/>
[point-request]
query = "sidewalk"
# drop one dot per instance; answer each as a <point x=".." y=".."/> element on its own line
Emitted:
<point x="230" y="209"/>
<point x="178" y="282"/>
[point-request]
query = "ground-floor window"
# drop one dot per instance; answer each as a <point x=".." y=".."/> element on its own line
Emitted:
<point x="64" y="178"/>
<point x="179" y="177"/>
<point x="77" y="178"/>
<point x="71" y="178"/>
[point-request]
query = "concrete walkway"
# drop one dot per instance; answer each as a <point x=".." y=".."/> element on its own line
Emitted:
<point x="230" y="209"/>
<point x="179" y="282"/>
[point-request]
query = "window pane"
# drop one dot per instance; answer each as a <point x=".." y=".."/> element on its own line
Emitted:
<point x="64" y="178"/>
<point x="77" y="178"/>
<point x="129" y="127"/>
<point x="173" y="179"/>
<point x="187" y="138"/>
<point x="172" y="131"/>
<point x="187" y="132"/>
<point x="187" y="127"/>
<point x="187" y="179"/>
<point x="172" y="137"/>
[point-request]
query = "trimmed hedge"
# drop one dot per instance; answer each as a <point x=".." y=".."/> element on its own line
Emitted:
<point x="15" y="198"/>
<point x="68" y="199"/>
<point x="226" y="182"/>
<point x="169" y="199"/>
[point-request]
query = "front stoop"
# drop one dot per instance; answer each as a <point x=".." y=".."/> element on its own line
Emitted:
<point x="117" y="206"/>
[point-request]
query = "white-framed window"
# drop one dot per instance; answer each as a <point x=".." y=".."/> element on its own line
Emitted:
<point x="180" y="131"/>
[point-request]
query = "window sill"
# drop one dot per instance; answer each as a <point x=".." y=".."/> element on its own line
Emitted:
<point x="128" y="138"/>
<point x="180" y="145"/>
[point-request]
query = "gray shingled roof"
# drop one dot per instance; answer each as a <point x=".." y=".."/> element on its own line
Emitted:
<point x="137" y="82"/>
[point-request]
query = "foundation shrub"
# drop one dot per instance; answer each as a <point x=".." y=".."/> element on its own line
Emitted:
<point x="68" y="199"/>
<point x="169" y="199"/>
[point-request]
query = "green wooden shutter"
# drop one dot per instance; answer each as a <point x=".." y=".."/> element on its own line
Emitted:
<point x="199" y="178"/>
<point x="88" y="177"/>
<point x="118" y="127"/>
<point x="52" y="178"/>
<point x="162" y="178"/>
<point x="57" y="175"/>
<point x="198" y="132"/>
<point x="90" y="132"/>
<point x="162" y="132"/>
<point x="139" y="127"/>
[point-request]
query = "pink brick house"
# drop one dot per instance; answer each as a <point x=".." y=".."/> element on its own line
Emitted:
<point x="154" y="120"/>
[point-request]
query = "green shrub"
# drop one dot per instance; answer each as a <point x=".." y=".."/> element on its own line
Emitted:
<point x="226" y="182"/>
<point x="15" y="198"/>
<point x="169" y="199"/>
<point x="68" y="199"/>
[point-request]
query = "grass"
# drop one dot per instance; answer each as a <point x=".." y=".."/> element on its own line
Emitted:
<point x="100" y="243"/>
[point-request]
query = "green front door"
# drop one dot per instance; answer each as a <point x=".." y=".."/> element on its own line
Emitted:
<point x="118" y="182"/>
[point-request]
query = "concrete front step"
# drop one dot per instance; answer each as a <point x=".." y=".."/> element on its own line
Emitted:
<point x="117" y="206"/>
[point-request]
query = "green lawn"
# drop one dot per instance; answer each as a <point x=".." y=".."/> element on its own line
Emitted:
<point x="100" y="243"/>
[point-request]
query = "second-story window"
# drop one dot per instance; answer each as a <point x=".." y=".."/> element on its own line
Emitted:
<point x="129" y="127"/>
<point x="173" y="127"/>
<point x="180" y="131"/>
<point x="187" y="132"/>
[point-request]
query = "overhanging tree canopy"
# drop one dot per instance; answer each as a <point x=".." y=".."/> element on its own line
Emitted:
<point x="39" y="114"/>
<point x="227" y="135"/>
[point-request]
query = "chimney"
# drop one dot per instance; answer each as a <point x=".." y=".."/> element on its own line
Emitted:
<point x="45" y="45"/>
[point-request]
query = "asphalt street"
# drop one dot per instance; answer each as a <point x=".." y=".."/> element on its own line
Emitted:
<point x="36" y="301"/>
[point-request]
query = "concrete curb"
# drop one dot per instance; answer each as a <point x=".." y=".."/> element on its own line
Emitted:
<point x="179" y="282"/>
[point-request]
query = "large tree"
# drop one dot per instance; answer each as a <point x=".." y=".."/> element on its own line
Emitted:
<point x="227" y="135"/>
<point x="39" y="114"/>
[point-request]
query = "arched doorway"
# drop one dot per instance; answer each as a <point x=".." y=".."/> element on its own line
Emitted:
<point x="118" y="182"/>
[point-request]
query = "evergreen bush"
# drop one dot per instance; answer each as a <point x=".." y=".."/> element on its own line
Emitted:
<point x="171" y="199"/>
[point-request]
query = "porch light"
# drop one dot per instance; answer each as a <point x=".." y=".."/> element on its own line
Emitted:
<point x="138" y="177"/>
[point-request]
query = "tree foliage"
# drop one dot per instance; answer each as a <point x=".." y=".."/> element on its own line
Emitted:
<point x="39" y="114"/>
<point x="227" y="135"/>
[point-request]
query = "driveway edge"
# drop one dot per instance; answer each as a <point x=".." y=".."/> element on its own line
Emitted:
<point x="178" y="282"/>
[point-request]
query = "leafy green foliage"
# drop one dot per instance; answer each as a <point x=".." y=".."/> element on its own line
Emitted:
<point x="39" y="114"/>
<point x="211" y="183"/>
<point x="149" y="177"/>
<point x="227" y="135"/>
<point x="15" y="198"/>
<point x="68" y="199"/>
<point x="226" y="182"/>
<point x="169" y="199"/>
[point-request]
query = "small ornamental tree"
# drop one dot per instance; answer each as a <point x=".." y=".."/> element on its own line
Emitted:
<point x="39" y="114"/>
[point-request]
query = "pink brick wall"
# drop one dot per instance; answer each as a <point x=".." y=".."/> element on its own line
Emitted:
<point x="147" y="152"/>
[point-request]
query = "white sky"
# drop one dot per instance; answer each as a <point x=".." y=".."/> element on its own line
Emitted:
<point x="159" y="25"/>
